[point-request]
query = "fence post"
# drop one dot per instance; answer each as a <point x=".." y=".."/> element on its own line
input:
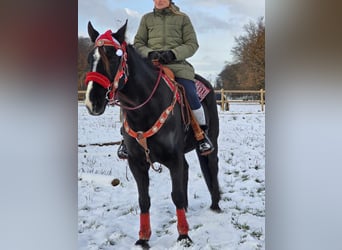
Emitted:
<point x="262" y="99"/>
<point x="222" y="100"/>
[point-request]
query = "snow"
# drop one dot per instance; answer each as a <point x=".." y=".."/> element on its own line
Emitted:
<point x="108" y="216"/>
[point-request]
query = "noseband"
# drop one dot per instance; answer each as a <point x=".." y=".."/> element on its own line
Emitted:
<point x="106" y="39"/>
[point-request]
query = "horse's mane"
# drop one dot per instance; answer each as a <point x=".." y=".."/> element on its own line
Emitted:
<point x="147" y="61"/>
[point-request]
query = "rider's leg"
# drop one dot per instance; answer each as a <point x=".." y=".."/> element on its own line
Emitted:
<point x="204" y="144"/>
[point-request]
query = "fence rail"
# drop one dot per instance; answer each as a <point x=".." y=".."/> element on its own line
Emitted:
<point x="226" y="97"/>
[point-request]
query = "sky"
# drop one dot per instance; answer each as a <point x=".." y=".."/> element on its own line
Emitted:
<point x="108" y="216"/>
<point x="216" y="22"/>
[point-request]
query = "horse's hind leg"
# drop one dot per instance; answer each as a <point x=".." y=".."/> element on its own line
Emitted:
<point x="209" y="167"/>
<point x="140" y="174"/>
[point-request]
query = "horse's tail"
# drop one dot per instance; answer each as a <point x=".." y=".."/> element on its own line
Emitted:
<point x="209" y="164"/>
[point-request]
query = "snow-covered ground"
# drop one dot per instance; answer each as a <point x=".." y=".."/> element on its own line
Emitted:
<point x="109" y="216"/>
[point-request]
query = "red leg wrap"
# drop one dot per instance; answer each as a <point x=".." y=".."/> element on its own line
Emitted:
<point x="182" y="226"/>
<point x="145" y="227"/>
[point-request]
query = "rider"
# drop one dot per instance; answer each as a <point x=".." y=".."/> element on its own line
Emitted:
<point x="167" y="35"/>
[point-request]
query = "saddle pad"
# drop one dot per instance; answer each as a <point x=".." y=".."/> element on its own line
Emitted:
<point x="201" y="89"/>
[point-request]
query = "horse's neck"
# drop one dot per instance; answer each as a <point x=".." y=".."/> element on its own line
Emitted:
<point x="140" y="69"/>
<point x="142" y="76"/>
<point x="143" y="85"/>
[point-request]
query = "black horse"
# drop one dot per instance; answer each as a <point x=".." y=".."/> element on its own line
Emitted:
<point x="154" y="130"/>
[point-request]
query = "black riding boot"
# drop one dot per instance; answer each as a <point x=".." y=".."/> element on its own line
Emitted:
<point x="205" y="146"/>
<point x="122" y="151"/>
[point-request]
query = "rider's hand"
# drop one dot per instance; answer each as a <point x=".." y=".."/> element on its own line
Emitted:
<point x="153" y="55"/>
<point x="166" y="56"/>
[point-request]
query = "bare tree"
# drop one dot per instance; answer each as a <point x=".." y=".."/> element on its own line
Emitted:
<point x="84" y="46"/>
<point x="250" y="51"/>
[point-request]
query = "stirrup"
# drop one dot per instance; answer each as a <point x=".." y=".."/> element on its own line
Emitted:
<point x="122" y="151"/>
<point x="205" y="146"/>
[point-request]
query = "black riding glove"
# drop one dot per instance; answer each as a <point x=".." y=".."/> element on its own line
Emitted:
<point x="154" y="55"/>
<point x="166" y="57"/>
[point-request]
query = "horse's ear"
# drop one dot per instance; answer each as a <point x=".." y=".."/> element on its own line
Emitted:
<point x="120" y="34"/>
<point x="92" y="32"/>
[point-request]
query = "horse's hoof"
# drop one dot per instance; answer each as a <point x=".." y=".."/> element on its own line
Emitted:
<point x="184" y="240"/>
<point x="216" y="208"/>
<point x="143" y="243"/>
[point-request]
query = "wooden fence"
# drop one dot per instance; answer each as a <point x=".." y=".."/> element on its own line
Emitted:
<point x="240" y="96"/>
<point x="226" y="97"/>
<point x="81" y="95"/>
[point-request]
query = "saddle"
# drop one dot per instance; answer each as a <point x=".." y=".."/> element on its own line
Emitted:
<point x="202" y="92"/>
<point x="201" y="89"/>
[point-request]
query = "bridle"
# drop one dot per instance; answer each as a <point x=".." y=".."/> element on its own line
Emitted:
<point x="122" y="73"/>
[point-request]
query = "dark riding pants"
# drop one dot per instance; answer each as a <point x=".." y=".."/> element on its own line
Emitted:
<point x="190" y="91"/>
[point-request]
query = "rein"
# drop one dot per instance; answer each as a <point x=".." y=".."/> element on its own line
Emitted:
<point x="116" y="102"/>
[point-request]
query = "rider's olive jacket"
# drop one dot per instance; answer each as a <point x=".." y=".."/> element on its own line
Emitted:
<point x="168" y="29"/>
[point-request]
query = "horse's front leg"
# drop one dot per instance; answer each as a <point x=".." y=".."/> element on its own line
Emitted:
<point x="140" y="173"/>
<point x="179" y="199"/>
<point x="185" y="182"/>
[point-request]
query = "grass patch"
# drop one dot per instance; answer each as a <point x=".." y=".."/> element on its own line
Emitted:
<point x="245" y="177"/>
<point x="256" y="234"/>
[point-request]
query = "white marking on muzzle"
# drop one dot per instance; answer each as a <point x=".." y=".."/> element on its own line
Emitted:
<point x="87" y="101"/>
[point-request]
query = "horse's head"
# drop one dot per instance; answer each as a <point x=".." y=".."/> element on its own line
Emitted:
<point x="108" y="68"/>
